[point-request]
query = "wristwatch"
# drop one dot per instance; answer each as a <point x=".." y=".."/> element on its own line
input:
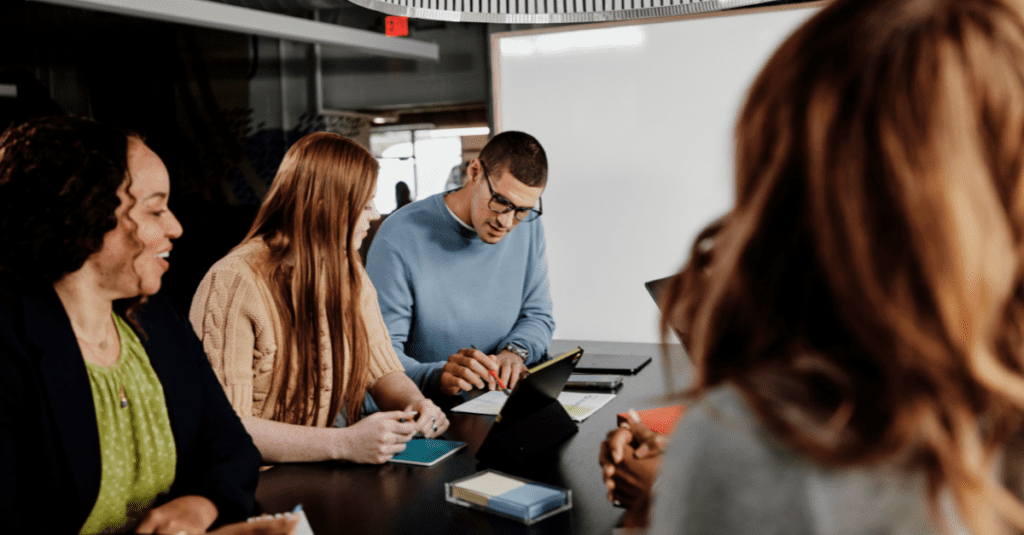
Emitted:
<point x="516" y="350"/>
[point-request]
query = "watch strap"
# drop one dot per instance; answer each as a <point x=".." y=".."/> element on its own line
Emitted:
<point x="517" y="350"/>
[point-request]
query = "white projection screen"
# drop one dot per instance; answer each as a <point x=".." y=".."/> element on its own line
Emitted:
<point x="637" y="121"/>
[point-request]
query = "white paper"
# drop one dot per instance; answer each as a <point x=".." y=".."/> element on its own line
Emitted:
<point x="489" y="403"/>
<point x="579" y="405"/>
<point x="301" y="528"/>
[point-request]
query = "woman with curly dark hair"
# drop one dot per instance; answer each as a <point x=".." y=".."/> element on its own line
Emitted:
<point x="110" y="416"/>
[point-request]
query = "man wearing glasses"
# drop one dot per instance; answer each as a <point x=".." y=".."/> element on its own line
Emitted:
<point x="462" y="277"/>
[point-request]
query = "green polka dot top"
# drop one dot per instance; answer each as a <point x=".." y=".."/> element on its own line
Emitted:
<point x="136" y="443"/>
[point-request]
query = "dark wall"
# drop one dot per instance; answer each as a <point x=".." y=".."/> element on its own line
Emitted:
<point x="185" y="90"/>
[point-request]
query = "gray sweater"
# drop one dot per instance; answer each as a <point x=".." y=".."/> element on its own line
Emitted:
<point x="724" y="474"/>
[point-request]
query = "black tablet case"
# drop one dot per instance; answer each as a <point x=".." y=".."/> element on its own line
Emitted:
<point x="618" y="364"/>
<point x="532" y="419"/>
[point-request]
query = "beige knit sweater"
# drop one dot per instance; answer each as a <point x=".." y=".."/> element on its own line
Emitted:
<point x="234" y="315"/>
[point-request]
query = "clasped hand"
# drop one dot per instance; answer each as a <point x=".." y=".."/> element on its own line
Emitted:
<point x="630" y="458"/>
<point x="471" y="368"/>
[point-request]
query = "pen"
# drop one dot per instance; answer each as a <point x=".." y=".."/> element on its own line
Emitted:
<point x="633" y="416"/>
<point x="501" y="384"/>
<point x="504" y="388"/>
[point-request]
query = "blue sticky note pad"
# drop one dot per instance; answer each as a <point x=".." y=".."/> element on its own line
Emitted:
<point x="427" y="451"/>
<point x="528" y="501"/>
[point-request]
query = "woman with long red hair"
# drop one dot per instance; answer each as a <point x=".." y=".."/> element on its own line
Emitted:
<point x="291" y="325"/>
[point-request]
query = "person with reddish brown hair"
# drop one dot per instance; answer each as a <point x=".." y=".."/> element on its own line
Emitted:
<point x="291" y="325"/>
<point x="857" y="321"/>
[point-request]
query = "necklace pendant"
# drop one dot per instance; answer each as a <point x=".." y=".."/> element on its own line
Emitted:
<point x="124" y="399"/>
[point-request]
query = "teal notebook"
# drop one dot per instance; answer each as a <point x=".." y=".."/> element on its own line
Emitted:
<point x="427" y="451"/>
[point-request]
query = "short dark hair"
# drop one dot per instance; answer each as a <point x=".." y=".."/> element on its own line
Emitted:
<point x="59" y="178"/>
<point x="518" y="153"/>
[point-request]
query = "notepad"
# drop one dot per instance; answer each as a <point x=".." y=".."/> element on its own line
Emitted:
<point x="579" y="405"/>
<point x="427" y="451"/>
<point x="517" y="498"/>
<point x="302" y="527"/>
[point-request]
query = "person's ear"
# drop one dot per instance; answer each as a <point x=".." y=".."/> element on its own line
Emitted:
<point x="474" y="171"/>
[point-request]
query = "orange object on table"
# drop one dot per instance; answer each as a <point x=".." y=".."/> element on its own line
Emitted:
<point x="660" y="420"/>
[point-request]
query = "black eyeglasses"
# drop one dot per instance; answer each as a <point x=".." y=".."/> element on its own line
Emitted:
<point x="501" y="205"/>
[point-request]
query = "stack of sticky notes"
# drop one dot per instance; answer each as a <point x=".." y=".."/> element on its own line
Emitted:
<point x="515" y="497"/>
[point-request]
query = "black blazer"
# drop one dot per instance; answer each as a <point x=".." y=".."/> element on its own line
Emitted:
<point x="49" y="440"/>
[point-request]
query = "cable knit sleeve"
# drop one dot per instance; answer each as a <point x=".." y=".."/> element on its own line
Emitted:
<point x="383" y="359"/>
<point x="234" y="325"/>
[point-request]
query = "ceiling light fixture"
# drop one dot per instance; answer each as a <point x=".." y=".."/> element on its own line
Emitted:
<point x="547" y="11"/>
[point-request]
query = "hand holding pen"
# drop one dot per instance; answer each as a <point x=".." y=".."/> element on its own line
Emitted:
<point x="471" y="368"/>
<point x="511" y="368"/>
<point x="501" y="383"/>
<point x="468" y="369"/>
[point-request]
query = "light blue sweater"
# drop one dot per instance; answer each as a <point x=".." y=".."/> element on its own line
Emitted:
<point x="441" y="288"/>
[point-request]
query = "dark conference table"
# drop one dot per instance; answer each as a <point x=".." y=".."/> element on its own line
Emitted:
<point x="402" y="499"/>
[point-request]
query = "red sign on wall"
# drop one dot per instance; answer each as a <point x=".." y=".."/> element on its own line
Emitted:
<point x="396" y="26"/>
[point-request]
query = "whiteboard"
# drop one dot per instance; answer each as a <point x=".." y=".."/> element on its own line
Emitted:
<point x="637" y="121"/>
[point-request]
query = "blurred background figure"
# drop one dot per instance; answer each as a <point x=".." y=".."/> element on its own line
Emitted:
<point x="402" y="194"/>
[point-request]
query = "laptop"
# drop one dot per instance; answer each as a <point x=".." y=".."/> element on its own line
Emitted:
<point x="657" y="288"/>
